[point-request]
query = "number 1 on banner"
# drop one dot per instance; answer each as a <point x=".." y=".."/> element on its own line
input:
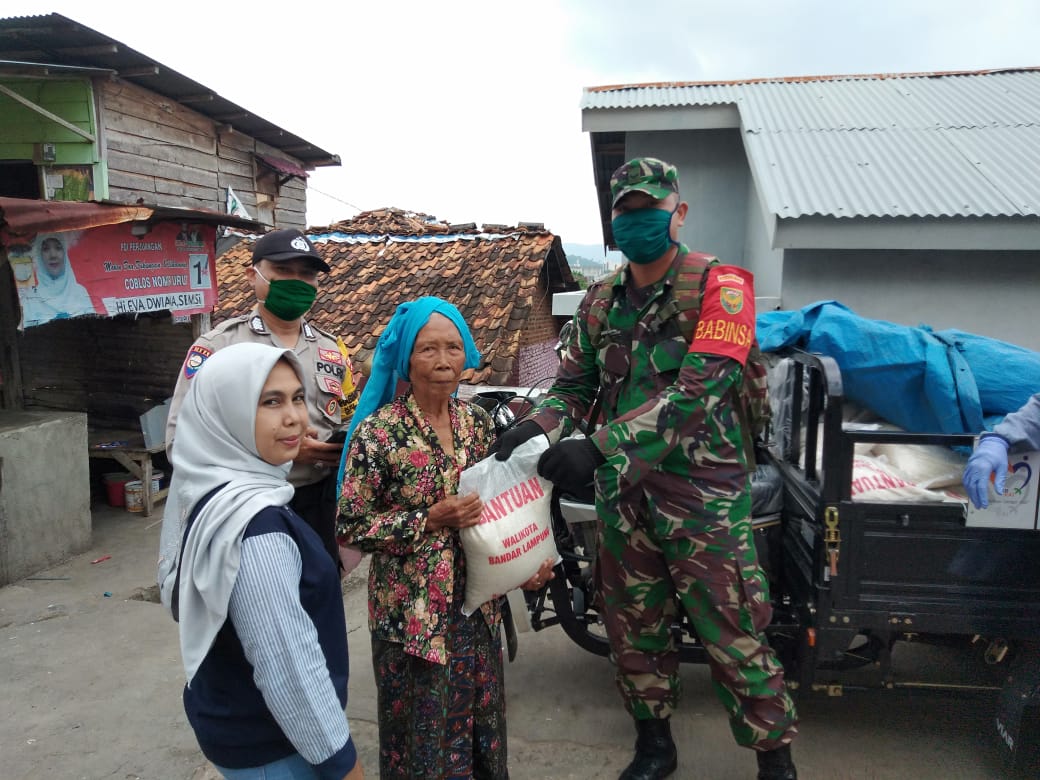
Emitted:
<point x="199" y="272"/>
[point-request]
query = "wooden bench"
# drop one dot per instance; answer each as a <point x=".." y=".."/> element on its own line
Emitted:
<point x="127" y="448"/>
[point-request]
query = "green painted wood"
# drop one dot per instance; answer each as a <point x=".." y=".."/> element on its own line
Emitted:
<point x="21" y="128"/>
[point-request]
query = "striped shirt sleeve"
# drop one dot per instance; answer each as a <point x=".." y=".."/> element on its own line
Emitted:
<point x="281" y="642"/>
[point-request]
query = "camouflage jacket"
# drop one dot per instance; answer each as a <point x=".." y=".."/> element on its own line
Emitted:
<point x="673" y="418"/>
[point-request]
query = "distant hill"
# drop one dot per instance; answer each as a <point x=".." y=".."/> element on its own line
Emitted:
<point x="593" y="252"/>
<point x="590" y="261"/>
<point x="590" y="268"/>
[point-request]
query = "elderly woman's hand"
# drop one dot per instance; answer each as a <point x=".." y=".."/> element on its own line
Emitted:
<point x="455" y="512"/>
<point x="542" y="576"/>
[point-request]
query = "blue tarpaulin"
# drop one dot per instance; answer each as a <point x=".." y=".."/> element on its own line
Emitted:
<point x="922" y="380"/>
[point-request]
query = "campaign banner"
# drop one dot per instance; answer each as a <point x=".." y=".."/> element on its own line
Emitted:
<point x="109" y="271"/>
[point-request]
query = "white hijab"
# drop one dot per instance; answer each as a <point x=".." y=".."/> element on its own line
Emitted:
<point x="216" y="445"/>
<point x="63" y="295"/>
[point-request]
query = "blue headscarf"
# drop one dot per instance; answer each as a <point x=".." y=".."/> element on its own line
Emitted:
<point x="392" y="355"/>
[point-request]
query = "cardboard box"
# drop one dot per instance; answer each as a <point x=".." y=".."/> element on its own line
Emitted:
<point x="153" y="425"/>
<point x="1018" y="507"/>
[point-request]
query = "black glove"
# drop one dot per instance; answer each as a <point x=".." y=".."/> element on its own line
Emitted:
<point x="513" y="438"/>
<point x="571" y="465"/>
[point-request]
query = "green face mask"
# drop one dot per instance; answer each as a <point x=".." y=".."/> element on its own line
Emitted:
<point x="288" y="299"/>
<point x="642" y="234"/>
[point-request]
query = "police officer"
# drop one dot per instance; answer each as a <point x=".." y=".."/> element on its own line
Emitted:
<point x="284" y="277"/>
<point x="666" y="343"/>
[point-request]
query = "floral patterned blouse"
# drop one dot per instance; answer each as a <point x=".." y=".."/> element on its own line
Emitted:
<point x="395" y="470"/>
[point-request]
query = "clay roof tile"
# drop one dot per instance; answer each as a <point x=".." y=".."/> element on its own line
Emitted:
<point x="492" y="282"/>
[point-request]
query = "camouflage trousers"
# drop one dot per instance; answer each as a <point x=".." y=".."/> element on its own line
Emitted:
<point x="715" y="577"/>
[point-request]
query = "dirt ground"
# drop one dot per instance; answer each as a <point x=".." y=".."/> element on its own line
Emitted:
<point x="91" y="680"/>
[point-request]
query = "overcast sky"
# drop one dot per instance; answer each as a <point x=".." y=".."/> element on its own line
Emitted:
<point x="470" y="110"/>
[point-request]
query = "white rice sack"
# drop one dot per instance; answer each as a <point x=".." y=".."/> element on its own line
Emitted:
<point x="926" y="465"/>
<point x="875" y="480"/>
<point x="514" y="536"/>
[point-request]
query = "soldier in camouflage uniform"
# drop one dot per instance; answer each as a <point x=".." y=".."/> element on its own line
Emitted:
<point x="670" y="469"/>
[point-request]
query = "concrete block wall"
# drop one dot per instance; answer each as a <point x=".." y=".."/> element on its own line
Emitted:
<point x="44" y="491"/>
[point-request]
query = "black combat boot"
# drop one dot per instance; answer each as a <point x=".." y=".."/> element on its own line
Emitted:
<point x="655" y="751"/>
<point x="776" y="764"/>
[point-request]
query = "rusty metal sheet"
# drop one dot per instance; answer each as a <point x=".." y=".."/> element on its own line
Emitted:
<point x="22" y="217"/>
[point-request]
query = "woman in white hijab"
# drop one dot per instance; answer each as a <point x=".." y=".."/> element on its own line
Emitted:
<point x="57" y="294"/>
<point x="262" y="630"/>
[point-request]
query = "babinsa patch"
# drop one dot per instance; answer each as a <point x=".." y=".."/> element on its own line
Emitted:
<point x="196" y="357"/>
<point x="726" y="326"/>
<point x="731" y="298"/>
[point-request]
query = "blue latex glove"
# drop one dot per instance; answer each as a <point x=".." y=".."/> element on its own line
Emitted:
<point x="571" y="465"/>
<point x="989" y="457"/>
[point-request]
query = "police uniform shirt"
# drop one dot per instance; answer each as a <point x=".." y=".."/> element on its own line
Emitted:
<point x="324" y="370"/>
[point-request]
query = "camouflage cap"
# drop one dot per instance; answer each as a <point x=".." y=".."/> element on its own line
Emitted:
<point x="656" y="178"/>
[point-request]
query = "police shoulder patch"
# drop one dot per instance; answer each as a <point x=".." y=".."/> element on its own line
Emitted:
<point x="330" y="356"/>
<point x="196" y="357"/>
<point x="330" y="385"/>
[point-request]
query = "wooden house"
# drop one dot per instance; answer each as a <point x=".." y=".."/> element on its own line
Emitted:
<point x="134" y="165"/>
<point x="86" y="117"/>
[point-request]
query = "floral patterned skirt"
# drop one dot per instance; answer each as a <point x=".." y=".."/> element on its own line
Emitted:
<point x="443" y="721"/>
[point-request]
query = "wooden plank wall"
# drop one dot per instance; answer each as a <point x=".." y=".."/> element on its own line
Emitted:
<point x="114" y="369"/>
<point x="164" y="152"/>
<point x="10" y="311"/>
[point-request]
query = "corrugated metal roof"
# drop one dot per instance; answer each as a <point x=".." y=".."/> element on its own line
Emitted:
<point x="961" y="144"/>
<point x="53" y="39"/>
<point x="656" y="95"/>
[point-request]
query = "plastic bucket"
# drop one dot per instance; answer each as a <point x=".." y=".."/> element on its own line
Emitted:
<point x="157" y="476"/>
<point x="134" y="491"/>
<point x="114" y="487"/>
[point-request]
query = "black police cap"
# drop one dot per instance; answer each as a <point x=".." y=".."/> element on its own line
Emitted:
<point x="287" y="244"/>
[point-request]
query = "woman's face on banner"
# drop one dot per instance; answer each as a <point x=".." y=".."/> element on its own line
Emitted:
<point x="52" y="255"/>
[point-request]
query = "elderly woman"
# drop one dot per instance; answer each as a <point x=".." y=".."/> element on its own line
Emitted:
<point x="438" y="672"/>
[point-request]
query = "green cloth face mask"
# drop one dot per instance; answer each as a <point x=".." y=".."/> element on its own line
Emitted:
<point x="642" y="235"/>
<point x="288" y="299"/>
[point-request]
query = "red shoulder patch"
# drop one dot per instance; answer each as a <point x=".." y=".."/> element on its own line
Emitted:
<point x="330" y="385"/>
<point x="726" y="325"/>
<point x="331" y="356"/>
